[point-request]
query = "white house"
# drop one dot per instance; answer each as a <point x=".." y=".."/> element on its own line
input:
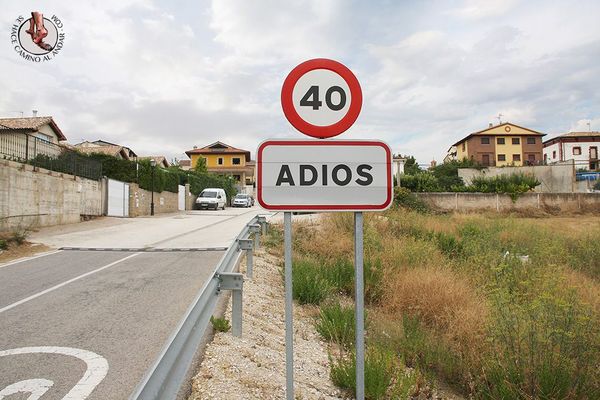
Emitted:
<point x="582" y="147"/>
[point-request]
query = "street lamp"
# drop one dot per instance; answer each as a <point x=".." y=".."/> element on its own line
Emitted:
<point x="153" y="165"/>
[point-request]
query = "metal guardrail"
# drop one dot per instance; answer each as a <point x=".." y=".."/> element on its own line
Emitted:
<point x="164" y="379"/>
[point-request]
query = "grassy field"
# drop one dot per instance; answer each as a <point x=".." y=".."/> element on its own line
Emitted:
<point x="453" y="298"/>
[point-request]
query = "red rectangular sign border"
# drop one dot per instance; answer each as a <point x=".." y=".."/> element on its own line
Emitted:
<point x="324" y="207"/>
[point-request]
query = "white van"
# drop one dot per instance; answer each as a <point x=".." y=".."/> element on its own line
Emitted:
<point x="211" y="198"/>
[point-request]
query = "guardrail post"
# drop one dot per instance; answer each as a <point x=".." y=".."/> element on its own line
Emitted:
<point x="233" y="281"/>
<point x="255" y="228"/>
<point x="246" y="244"/>
<point x="262" y="220"/>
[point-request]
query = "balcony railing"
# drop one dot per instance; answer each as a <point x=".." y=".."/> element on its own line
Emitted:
<point x="40" y="153"/>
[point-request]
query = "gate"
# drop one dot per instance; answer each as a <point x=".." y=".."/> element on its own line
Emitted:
<point x="118" y="199"/>
<point x="181" y="198"/>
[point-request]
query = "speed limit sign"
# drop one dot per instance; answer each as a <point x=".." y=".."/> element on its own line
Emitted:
<point x="321" y="98"/>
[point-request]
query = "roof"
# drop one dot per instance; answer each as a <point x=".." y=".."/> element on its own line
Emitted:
<point x="31" y="124"/>
<point x="160" y="160"/>
<point x="108" y="150"/>
<point x="99" y="144"/>
<point x="218" y="148"/>
<point x="185" y="163"/>
<point x="532" y="132"/>
<point x="587" y="134"/>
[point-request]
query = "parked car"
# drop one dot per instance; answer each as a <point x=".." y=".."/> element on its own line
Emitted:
<point x="211" y="198"/>
<point x="242" y="200"/>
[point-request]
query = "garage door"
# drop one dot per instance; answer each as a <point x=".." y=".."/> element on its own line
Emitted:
<point x="118" y="199"/>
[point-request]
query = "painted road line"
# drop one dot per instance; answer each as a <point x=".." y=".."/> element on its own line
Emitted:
<point x="144" y="249"/>
<point x="97" y="368"/>
<point x="199" y="229"/>
<point x="20" y="260"/>
<point x="53" y="288"/>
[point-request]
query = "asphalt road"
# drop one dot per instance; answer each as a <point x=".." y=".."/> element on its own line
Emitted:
<point x="87" y="323"/>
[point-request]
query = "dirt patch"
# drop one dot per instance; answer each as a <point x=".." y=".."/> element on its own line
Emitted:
<point x="26" y="249"/>
<point x="253" y="367"/>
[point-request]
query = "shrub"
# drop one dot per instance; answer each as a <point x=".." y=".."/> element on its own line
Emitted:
<point x="381" y="371"/>
<point x="420" y="182"/>
<point x="220" y="324"/>
<point x="404" y="198"/>
<point x="544" y="342"/>
<point x="309" y="286"/>
<point x="337" y="323"/>
<point x="512" y="185"/>
<point x="3" y="244"/>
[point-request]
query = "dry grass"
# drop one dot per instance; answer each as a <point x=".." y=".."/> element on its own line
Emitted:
<point x="441" y="300"/>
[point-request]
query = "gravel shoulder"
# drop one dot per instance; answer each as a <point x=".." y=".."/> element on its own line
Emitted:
<point x="253" y="367"/>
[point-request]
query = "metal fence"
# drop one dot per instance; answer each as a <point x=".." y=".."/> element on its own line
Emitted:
<point x="164" y="379"/>
<point x="30" y="149"/>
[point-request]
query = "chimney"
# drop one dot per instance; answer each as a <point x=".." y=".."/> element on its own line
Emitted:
<point x="34" y="112"/>
<point x="490" y="125"/>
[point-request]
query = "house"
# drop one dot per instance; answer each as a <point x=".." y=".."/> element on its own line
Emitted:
<point x="161" y="161"/>
<point x="103" y="147"/>
<point x="26" y="137"/>
<point x="224" y="159"/>
<point x="582" y="147"/>
<point x="500" y="145"/>
<point x="185" y="165"/>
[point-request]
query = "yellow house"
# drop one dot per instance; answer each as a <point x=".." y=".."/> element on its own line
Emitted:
<point x="500" y="145"/>
<point x="224" y="159"/>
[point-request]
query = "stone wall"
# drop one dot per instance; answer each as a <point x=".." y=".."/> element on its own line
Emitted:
<point x="555" y="178"/>
<point x="140" y="199"/>
<point x="550" y="202"/>
<point x="35" y="197"/>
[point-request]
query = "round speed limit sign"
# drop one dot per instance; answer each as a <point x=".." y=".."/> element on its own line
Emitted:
<point x="321" y="98"/>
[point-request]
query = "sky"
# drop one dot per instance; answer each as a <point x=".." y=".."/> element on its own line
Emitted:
<point x="163" y="76"/>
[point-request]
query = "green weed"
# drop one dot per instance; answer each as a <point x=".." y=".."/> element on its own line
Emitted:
<point x="220" y="324"/>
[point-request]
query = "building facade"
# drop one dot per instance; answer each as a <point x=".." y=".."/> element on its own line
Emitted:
<point x="500" y="145"/>
<point x="224" y="159"/>
<point x="581" y="147"/>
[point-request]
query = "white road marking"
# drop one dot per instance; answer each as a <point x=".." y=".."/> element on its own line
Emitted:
<point x="43" y="292"/>
<point x="35" y="387"/>
<point x="20" y="260"/>
<point x="97" y="368"/>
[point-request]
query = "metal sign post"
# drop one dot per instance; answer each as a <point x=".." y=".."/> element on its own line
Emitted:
<point x="359" y="305"/>
<point x="289" y="326"/>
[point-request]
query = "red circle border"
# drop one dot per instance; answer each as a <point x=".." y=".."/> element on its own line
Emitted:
<point x="321" y="132"/>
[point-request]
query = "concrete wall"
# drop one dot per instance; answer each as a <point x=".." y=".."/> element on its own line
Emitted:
<point x="34" y="198"/>
<point x="557" y="178"/>
<point x="140" y="199"/>
<point x="550" y="202"/>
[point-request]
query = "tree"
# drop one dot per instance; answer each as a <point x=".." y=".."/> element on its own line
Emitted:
<point x="410" y="166"/>
<point x="200" y="165"/>
<point x="447" y="173"/>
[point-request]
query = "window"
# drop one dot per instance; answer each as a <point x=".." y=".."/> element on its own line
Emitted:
<point x="577" y="151"/>
<point x="237" y="177"/>
<point x="531" y="157"/>
<point x="516" y="157"/>
<point x="501" y="157"/>
<point x="516" y="140"/>
<point x="500" y="140"/>
<point x="485" y="140"/>
<point x="593" y="152"/>
<point x="554" y="154"/>
<point x="220" y="161"/>
<point x="530" y="140"/>
<point x="235" y="161"/>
